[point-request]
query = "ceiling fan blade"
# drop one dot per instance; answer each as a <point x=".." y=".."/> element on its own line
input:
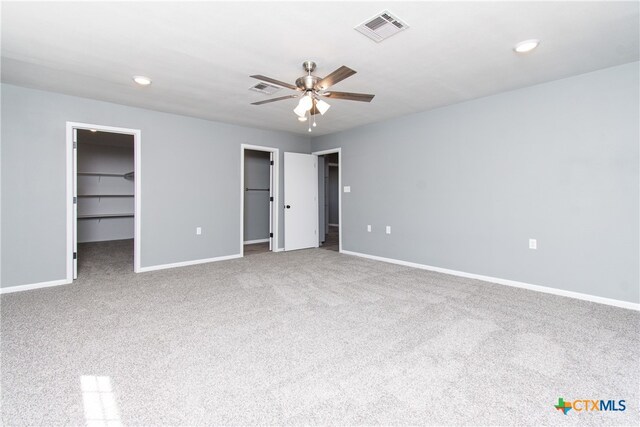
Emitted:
<point x="266" y="101"/>
<point x="274" y="81"/>
<point x="350" y="96"/>
<point x="335" y="77"/>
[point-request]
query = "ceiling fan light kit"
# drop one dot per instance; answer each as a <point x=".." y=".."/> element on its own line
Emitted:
<point x="306" y="102"/>
<point x="300" y="111"/>
<point x="314" y="87"/>
<point x="322" y="106"/>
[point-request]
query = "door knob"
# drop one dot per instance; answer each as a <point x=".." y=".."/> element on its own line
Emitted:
<point x="288" y="206"/>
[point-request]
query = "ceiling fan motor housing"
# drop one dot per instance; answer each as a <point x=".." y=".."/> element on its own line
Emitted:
<point x="307" y="82"/>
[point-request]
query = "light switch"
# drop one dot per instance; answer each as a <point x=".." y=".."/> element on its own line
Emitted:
<point x="347" y="189"/>
<point x="369" y="228"/>
<point x="533" y="244"/>
<point x="388" y="229"/>
<point x="198" y="230"/>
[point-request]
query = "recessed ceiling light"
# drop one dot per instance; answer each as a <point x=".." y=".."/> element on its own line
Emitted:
<point x="142" y="80"/>
<point x="526" y="46"/>
<point x="93" y="130"/>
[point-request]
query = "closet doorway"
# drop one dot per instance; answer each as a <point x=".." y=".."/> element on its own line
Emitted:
<point x="104" y="186"/>
<point x="329" y="200"/>
<point x="259" y="198"/>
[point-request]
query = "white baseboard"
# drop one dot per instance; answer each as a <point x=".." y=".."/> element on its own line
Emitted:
<point x="278" y="250"/>
<point x="31" y="286"/>
<point x="522" y="285"/>
<point x="251" y="242"/>
<point x="334" y="225"/>
<point x="187" y="263"/>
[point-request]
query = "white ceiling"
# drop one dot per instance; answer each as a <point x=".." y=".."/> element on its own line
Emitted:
<point x="200" y="55"/>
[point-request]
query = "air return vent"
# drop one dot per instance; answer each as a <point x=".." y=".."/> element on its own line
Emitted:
<point x="265" y="88"/>
<point x="382" y="26"/>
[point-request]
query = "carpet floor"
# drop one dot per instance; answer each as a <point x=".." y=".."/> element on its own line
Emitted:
<point x="256" y="248"/>
<point x="307" y="337"/>
<point x="332" y="239"/>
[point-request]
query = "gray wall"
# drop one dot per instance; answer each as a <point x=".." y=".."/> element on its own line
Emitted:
<point x="190" y="177"/>
<point x="464" y="187"/>
<point x="256" y="203"/>
<point x="106" y="159"/>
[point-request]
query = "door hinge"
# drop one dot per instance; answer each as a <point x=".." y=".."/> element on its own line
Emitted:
<point x="271" y="162"/>
<point x="270" y="234"/>
<point x="75" y="255"/>
<point x="75" y="200"/>
<point x="75" y="144"/>
<point x="271" y="199"/>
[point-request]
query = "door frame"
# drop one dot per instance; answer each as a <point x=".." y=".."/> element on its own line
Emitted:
<point x="275" y="190"/>
<point x="340" y="190"/>
<point x="71" y="179"/>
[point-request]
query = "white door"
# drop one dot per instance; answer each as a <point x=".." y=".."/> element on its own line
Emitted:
<point x="75" y="204"/>
<point x="301" y="201"/>
<point x="321" y="228"/>
<point x="271" y="191"/>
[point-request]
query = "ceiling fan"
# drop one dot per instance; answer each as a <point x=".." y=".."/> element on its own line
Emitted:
<point x="312" y="88"/>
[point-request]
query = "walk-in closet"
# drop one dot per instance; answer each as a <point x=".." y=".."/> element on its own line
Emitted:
<point x="105" y="200"/>
<point x="257" y="202"/>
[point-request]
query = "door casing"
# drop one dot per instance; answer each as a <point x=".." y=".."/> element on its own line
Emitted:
<point x="274" y="192"/>
<point x="72" y="219"/>
<point x="340" y="189"/>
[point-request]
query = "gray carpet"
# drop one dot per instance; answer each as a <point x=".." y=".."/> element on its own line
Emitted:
<point x="332" y="239"/>
<point x="308" y="337"/>
<point x="256" y="248"/>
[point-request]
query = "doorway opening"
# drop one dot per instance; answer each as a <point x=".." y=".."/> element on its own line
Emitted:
<point x="104" y="202"/>
<point x="329" y="200"/>
<point x="259" y="217"/>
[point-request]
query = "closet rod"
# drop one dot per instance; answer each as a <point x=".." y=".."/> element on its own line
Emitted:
<point x="256" y="189"/>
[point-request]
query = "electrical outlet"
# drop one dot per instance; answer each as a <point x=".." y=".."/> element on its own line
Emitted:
<point x="388" y="229"/>
<point x="533" y="244"/>
<point x="369" y="228"/>
<point x="347" y="189"/>
<point x="198" y="230"/>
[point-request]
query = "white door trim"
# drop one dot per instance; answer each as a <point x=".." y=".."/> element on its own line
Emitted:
<point x="137" y="154"/>
<point x="276" y="192"/>
<point x="340" y="190"/>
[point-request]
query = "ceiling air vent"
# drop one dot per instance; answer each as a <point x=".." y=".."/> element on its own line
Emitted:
<point x="382" y="26"/>
<point x="265" y="88"/>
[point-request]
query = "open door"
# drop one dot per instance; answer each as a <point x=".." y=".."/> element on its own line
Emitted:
<point x="321" y="201"/>
<point x="75" y="204"/>
<point x="301" y="201"/>
<point x="271" y="192"/>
